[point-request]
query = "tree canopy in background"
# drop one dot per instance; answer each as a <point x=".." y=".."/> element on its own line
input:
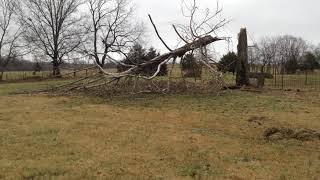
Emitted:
<point x="309" y="62"/>
<point x="228" y="62"/>
<point x="190" y="66"/>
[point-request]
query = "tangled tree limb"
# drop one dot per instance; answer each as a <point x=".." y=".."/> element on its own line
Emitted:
<point x="127" y="80"/>
<point x="162" y="59"/>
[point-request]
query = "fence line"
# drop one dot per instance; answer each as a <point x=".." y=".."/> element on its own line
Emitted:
<point x="29" y="75"/>
<point x="301" y="80"/>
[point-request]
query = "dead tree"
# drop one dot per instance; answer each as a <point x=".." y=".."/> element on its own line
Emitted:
<point x="242" y="67"/>
<point x="52" y="27"/>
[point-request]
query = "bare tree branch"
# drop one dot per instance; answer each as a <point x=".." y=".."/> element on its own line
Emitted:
<point x="177" y="32"/>
<point x="155" y="28"/>
<point x="112" y="29"/>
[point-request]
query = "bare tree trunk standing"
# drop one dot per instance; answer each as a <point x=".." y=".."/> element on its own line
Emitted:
<point x="242" y="69"/>
<point x="1" y="74"/>
<point x="56" y="68"/>
<point x="53" y="28"/>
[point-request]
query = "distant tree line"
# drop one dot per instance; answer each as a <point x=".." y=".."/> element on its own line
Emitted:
<point x="280" y="54"/>
<point x="18" y="64"/>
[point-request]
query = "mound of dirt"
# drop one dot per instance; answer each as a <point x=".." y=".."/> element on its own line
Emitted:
<point x="260" y="120"/>
<point x="287" y="133"/>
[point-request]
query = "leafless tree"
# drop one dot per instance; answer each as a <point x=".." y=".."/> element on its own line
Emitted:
<point x="317" y="52"/>
<point x="276" y="51"/>
<point x="267" y="49"/>
<point x="112" y="28"/>
<point x="9" y="34"/>
<point x="290" y="48"/>
<point x="200" y="22"/>
<point x="253" y="56"/>
<point x="52" y="27"/>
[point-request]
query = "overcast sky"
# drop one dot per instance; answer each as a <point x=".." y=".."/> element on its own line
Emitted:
<point x="260" y="17"/>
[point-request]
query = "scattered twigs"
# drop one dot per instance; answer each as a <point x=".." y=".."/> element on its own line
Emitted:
<point x="101" y="84"/>
<point x="74" y="82"/>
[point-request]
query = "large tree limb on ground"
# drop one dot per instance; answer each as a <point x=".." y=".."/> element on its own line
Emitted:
<point x="179" y="52"/>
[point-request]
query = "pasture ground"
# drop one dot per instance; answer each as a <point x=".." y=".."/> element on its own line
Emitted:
<point x="156" y="137"/>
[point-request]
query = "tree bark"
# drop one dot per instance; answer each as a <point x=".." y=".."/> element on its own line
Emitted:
<point x="1" y="75"/>
<point x="56" y="69"/>
<point x="242" y="69"/>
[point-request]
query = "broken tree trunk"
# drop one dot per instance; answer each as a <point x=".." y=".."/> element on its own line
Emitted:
<point x="242" y="68"/>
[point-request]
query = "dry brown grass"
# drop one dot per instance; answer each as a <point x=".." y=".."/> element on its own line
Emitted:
<point x="157" y="137"/>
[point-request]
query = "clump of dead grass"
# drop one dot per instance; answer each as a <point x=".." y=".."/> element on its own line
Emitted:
<point x="287" y="133"/>
<point x="130" y="87"/>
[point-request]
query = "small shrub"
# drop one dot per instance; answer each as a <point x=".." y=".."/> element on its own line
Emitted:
<point x="138" y="55"/>
<point x="190" y="66"/>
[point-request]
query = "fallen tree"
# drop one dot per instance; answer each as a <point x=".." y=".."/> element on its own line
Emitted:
<point x="104" y="78"/>
<point x="162" y="59"/>
<point x="196" y="36"/>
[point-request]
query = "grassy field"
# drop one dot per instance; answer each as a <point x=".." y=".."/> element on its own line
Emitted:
<point x="155" y="137"/>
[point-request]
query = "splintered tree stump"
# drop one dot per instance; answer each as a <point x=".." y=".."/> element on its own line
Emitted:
<point x="242" y="67"/>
